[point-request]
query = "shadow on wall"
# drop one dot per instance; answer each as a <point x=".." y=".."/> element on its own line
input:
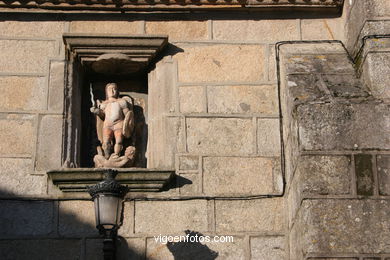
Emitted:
<point x="42" y="229"/>
<point x="191" y="250"/>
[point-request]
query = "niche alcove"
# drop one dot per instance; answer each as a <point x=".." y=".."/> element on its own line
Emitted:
<point x="93" y="61"/>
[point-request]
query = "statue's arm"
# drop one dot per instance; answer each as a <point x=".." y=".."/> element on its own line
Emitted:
<point x="128" y="126"/>
<point x="125" y="105"/>
<point x="98" y="111"/>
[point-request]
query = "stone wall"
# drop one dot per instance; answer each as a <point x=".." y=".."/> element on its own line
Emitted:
<point x="367" y="30"/>
<point x="295" y="188"/>
<point x="337" y="144"/>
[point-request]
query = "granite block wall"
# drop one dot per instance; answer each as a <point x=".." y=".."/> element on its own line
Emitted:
<point x="284" y="189"/>
<point x="338" y="133"/>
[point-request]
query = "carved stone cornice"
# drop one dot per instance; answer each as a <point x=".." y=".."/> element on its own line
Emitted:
<point x="167" y="5"/>
<point x="115" y="54"/>
<point x="76" y="180"/>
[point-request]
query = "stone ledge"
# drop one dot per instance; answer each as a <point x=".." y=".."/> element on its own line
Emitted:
<point x="137" y="179"/>
<point x="172" y="5"/>
<point x="115" y="54"/>
<point x="350" y="226"/>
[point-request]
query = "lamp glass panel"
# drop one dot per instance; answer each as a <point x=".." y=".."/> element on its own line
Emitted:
<point x="108" y="210"/>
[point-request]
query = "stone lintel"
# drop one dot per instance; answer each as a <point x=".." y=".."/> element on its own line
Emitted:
<point x="172" y="5"/>
<point x="115" y="54"/>
<point x="137" y="179"/>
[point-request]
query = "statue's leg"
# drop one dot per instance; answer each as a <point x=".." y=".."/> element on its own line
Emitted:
<point x="118" y="141"/>
<point x="107" y="140"/>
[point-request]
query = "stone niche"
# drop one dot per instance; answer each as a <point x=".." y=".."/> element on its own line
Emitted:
<point x="93" y="61"/>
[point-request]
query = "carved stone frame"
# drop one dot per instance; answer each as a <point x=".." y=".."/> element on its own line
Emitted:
<point x="83" y="49"/>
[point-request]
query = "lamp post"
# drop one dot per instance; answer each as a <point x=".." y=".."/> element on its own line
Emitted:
<point x="108" y="198"/>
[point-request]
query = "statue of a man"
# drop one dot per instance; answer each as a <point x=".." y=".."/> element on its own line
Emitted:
<point x="115" y="121"/>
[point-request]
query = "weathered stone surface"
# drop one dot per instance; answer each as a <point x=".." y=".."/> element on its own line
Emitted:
<point x="355" y="23"/>
<point x="292" y="153"/>
<point x="170" y="216"/>
<point x="242" y="99"/>
<point x="344" y="126"/>
<point x="162" y="90"/>
<point x="192" y="99"/>
<point x="383" y="166"/>
<point x="375" y="27"/>
<point x="111" y="27"/>
<point x="376" y="72"/>
<point x="378" y="8"/>
<point x="175" y="140"/>
<point x="39" y="29"/>
<point x="40" y="249"/>
<point x="168" y="134"/>
<point x="49" y="143"/>
<point x="127" y="248"/>
<point x="319" y="175"/>
<point x="56" y="86"/>
<point x="190" y="183"/>
<point x="181" y="250"/>
<point x="296" y="50"/>
<point x="272" y="70"/>
<point x="220" y="136"/>
<point x="262" y="215"/>
<point x="364" y="174"/>
<point x="344" y="85"/>
<point x="26" y="218"/>
<point x="77" y="219"/>
<point x="16" y="178"/>
<point x="17" y="134"/>
<point x="304" y="88"/>
<point x="157" y="250"/>
<point x="221" y="63"/>
<point x="162" y="99"/>
<point x="268" y="137"/>
<point x="325" y="227"/>
<point x="23" y="93"/>
<point x="188" y="162"/>
<point x="270" y="248"/>
<point x="264" y="31"/>
<point x="179" y="30"/>
<point x="324" y="175"/>
<point x="293" y="201"/>
<point x="239" y="175"/>
<point x="25" y="56"/>
<point x="127" y="228"/>
<point x="322" y="29"/>
<point x="230" y="250"/>
<point x="325" y="63"/>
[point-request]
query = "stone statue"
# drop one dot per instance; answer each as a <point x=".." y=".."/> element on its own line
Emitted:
<point x="114" y="124"/>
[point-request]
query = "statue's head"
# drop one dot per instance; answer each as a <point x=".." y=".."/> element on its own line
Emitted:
<point x="112" y="90"/>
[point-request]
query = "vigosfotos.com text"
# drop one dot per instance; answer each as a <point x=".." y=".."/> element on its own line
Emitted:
<point x="164" y="239"/>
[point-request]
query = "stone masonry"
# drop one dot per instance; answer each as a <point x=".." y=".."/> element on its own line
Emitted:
<point x="276" y="124"/>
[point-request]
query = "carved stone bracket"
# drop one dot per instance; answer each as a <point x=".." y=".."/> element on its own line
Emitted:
<point x="169" y="5"/>
<point x="115" y="54"/>
<point x="76" y="180"/>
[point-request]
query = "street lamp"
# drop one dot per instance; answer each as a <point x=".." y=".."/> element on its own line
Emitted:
<point x="108" y="199"/>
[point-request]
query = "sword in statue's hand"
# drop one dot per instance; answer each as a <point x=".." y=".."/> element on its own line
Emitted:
<point x="92" y="97"/>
